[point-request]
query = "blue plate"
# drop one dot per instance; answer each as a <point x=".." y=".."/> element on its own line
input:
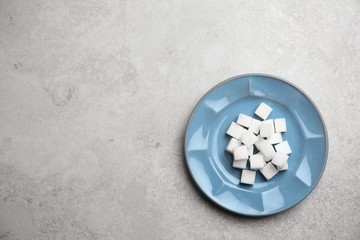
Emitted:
<point x="211" y="167"/>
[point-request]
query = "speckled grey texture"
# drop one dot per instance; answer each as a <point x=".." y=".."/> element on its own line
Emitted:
<point x="95" y="97"/>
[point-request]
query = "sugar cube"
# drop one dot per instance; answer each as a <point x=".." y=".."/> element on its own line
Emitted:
<point x="280" y="125"/>
<point x="257" y="161"/>
<point x="240" y="152"/>
<point x="257" y="143"/>
<point x="263" y="111"/>
<point x="280" y="159"/>
<point x="248" y="138"/>
<point x="283" y="168"/>
<point x="254" y="126"/>
<point x="267" y="149"/>
<point x="267" y="128"/>
<point x="269" y="171"/>
<point x="283" y="147"/>
<point x="244" y="120"/>
<point x="275" y="138"/>
<point x="248" y="177"/>
<point x="232" y="144"/>
<point x="240" y="164"/>
<point x="251" y="150"/>
<point x="235" y="130"/>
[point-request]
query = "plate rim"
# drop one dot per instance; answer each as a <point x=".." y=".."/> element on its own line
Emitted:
<point x="257" y="75"/>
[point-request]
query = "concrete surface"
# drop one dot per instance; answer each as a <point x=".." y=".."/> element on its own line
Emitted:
<point x="95" y="97"/>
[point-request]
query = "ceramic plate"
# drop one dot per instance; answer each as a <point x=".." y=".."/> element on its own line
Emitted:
<point x="211" y="167"/>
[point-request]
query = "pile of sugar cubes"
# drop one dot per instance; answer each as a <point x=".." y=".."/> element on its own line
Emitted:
<point x="266" y="136"/>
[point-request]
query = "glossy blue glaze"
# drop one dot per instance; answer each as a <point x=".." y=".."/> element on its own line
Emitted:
<point x="210" y="165"/>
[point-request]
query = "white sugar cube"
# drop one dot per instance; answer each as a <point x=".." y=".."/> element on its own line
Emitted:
<point x="244" y="120"/>
<point x="269" y="171"/>
<point x="263" y="111"/>
<point x="254" y="126"/>
<point x="275" y="138"/>
<point x="283" y="168"/>
<point x="280" y="159"/>
<point x="257" y="143"/>
<point x="266" y="149"/>
<point x="248" y="177"/>
<point x="232" y="144"/>
<point x="257" y="161"/>
<point x="240" y="164"/>
<point x="235" y="130"/>
<point x="240" y="153"/>
<point x="248" y="138"/>
<point x="280" y="125"/>
<point x="251" y="150"/>
<point x="283" y="147"/>
<point x="267" y="128"/>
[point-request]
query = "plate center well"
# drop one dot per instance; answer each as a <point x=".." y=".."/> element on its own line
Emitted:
<point x="222" y="160"/>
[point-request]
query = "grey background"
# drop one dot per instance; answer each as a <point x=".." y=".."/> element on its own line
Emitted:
<point x="95" y="97"/>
